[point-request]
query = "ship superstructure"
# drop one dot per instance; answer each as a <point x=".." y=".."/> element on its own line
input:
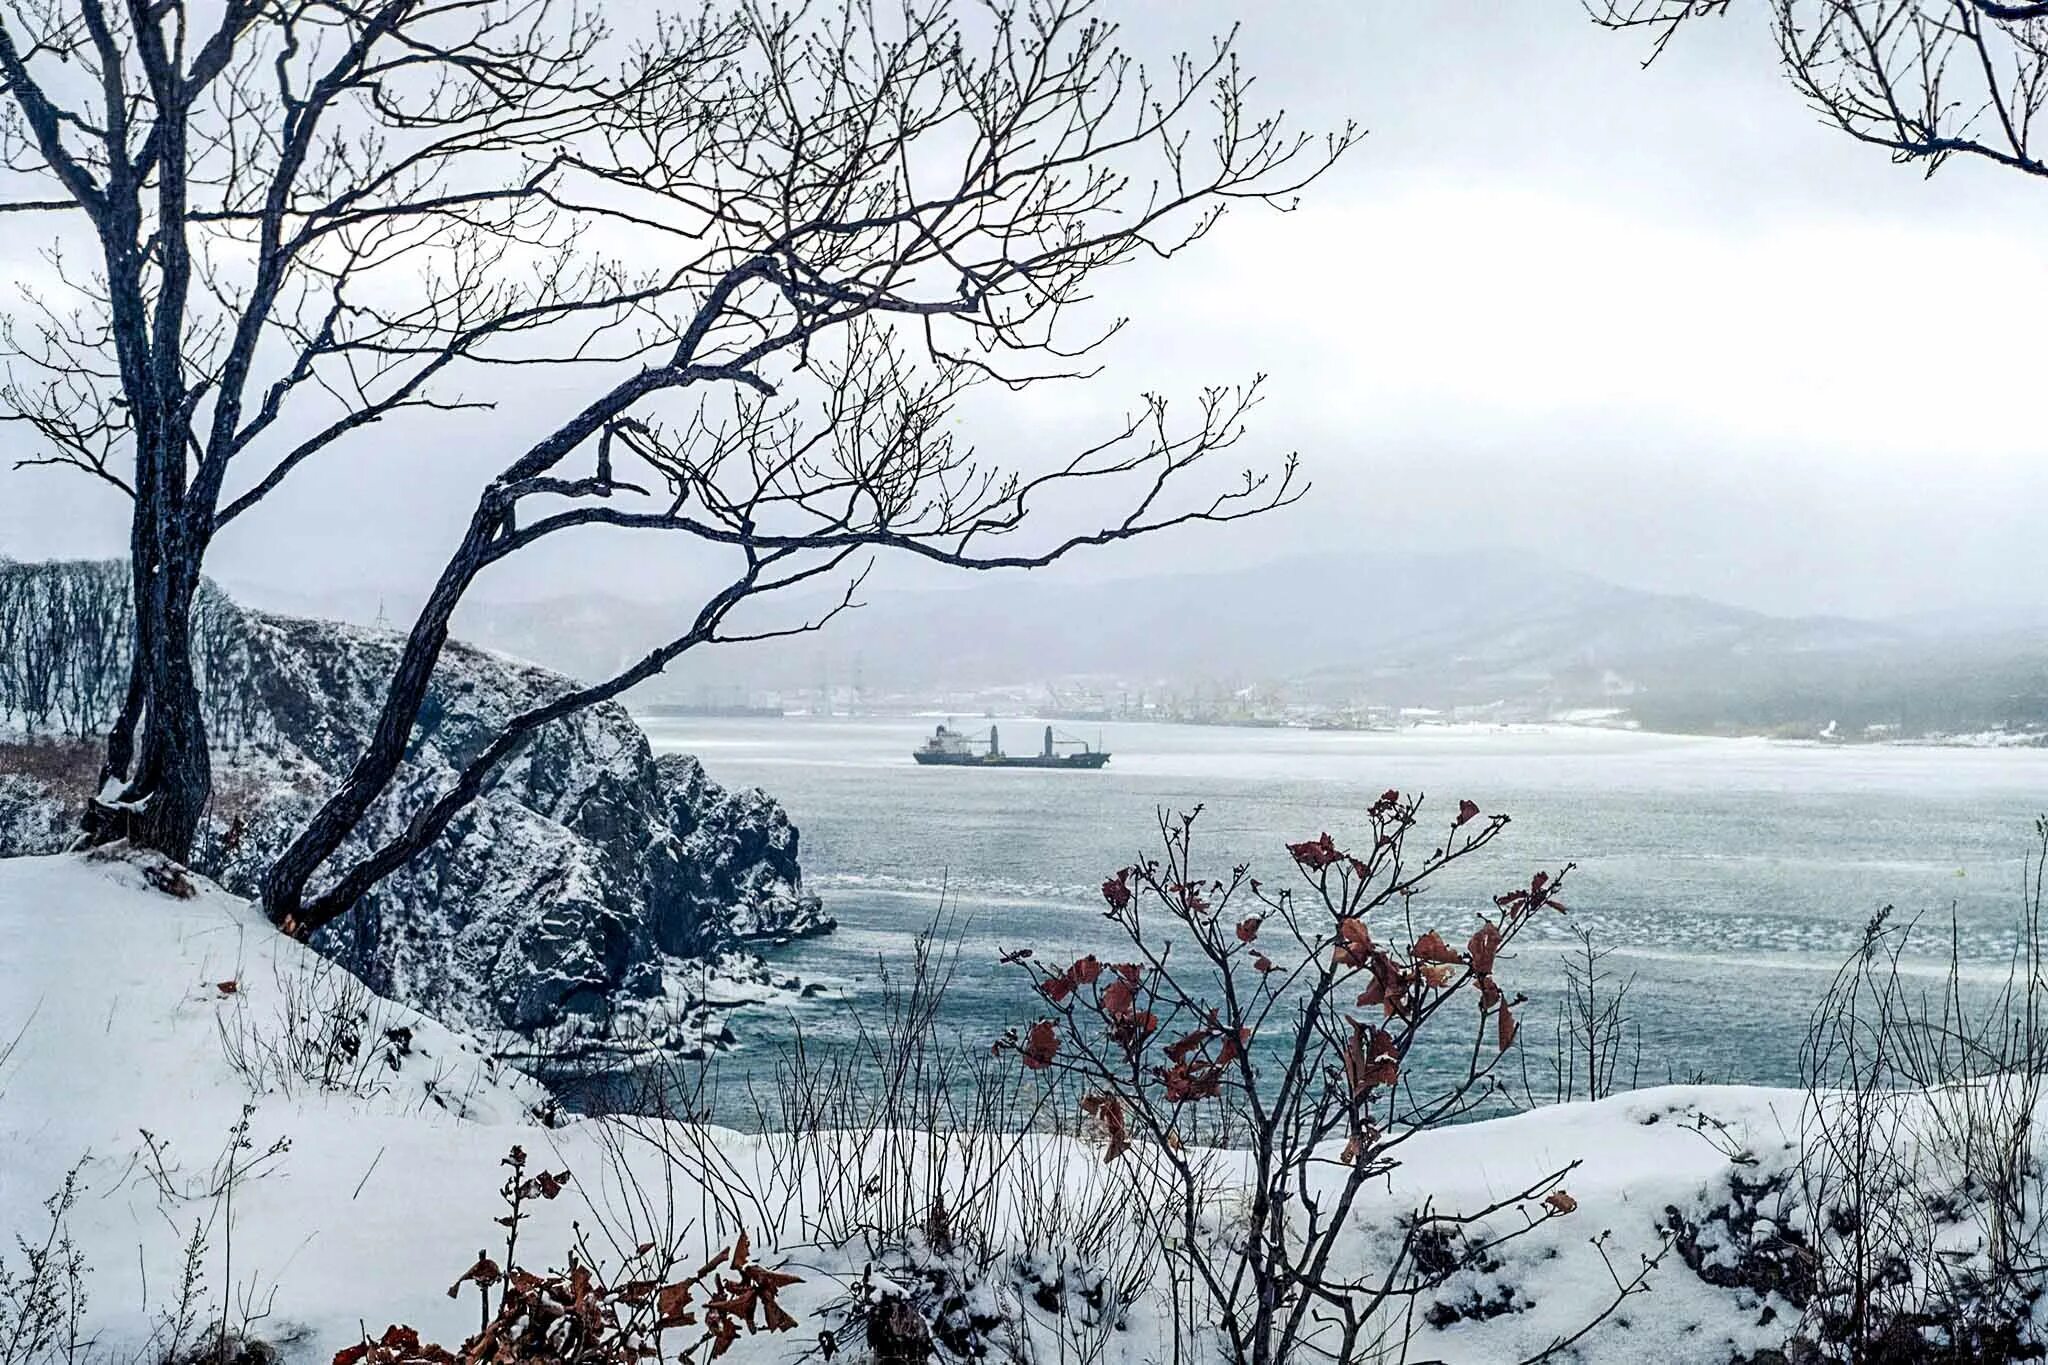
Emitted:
<point x="951" y="748"/>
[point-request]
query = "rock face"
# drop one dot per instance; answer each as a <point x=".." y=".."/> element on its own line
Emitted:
<point x="571" y="898"/>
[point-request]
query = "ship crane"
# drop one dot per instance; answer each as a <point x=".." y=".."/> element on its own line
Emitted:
<point x="951" y="748"/>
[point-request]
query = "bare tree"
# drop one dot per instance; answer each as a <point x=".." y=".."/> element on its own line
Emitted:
<point x="860" y="213"/>
<point x="310" y="216"/>
<point x="301" y="215"/>
<point x="1926" y="80"/>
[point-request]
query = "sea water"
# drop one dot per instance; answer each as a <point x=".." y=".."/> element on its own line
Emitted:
<point x="1730" y="877"/>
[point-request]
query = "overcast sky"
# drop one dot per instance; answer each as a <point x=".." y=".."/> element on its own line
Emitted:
<point x="1660" y="326"/>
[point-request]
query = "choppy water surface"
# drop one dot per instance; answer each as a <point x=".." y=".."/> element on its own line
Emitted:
<point x="1730" y="875"/>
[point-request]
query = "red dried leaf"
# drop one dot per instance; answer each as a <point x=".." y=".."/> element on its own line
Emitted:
<point x="1432" y="948"/>
<point x="1248" y="929"/>
<point x="1508" y="1027"/>
<point x="735" y="1298"/>
<point x="1262" y="964"/>
<point x="1467" y="812"/>
<point x="483" y="1274"/>
<point x="1483" y="947"/>
<point x="724" y="1330"/>
<point x="1558" y="1202"/>
<point x="1117" y="890"/>
<point x="1315" y="854"/>
<point x="1354" y="944"/>
<point x="1119" y="999"/>
<point x="227" y="987"/>
<point x="671" y="1306"/>
<point x="768" y="1281"/>
<point x="1370" y="1060"/>
<point x="774" y="1317"/>
<point x="546" y="1185"/>
<point x="1132" y="1029"/>
<point x="1191" y="1081"/>
<point x="1108" y="1110"/>
<point x="1040" y="1045"/>
<point x="398" y="1338"/>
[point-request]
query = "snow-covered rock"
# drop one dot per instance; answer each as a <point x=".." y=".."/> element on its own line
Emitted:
<point x="562" y="900"/>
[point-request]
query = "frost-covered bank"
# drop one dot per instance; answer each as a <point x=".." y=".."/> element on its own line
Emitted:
<point x="139" y="1012"/>
<point x="594" y="892"/>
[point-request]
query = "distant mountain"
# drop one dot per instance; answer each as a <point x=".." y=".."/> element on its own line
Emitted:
<point x="1442" y="631"/>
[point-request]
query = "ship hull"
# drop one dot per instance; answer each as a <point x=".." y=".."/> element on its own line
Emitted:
<point x="1088" y="760"/>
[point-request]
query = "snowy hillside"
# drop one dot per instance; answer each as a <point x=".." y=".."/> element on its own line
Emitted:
<point x="144" y="1018"/>
<point x="585" y="894"/>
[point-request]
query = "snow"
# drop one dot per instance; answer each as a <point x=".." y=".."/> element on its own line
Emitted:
<point x="587" y="879"/>
<point x="385" y="1192"/>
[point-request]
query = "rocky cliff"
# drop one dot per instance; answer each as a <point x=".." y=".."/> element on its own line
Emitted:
<point x="596" y="893"/>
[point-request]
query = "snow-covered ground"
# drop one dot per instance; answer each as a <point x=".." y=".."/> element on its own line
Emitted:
<point x="361" y="1208"/>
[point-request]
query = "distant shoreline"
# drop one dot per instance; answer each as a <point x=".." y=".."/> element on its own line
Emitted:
<point x="1804" y="737"/>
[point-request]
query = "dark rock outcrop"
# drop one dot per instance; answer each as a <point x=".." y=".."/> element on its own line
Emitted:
<point x="570" y="898"/>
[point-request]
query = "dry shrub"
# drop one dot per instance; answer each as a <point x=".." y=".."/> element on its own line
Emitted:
<point x="1595" y="1045"/>
<point x="314" y="1029"/>
<point x="42" y="1292"/>
<point x="652" y="1309"/>
<point x="1191" y="1128"/>
<point x="1920" y="1191"/>
<point x="1275" y="1030"/>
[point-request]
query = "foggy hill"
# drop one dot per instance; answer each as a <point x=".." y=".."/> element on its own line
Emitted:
<point x="1434" y="630"/>
<point x="1402" y="630"/>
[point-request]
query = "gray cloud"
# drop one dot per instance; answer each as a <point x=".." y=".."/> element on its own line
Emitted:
<point x="1660" y="324"/>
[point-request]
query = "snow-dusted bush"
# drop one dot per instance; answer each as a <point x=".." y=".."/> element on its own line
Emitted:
<point x="1920" y="1186"/>
<point x="1904" y="1217"/>
<point x="313" y="1031"/>
<point x="649" y="1306"/>
<point x="42" y="1287"/>
<point x="1263" y="1038"/>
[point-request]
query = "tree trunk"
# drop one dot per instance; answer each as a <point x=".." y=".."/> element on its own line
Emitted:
<point x="285" y="883"/>
<point x="165" y="790"/>
<point x="167" y="779"/>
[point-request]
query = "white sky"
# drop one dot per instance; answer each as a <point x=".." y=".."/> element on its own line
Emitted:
<point x="1659" y="325"/>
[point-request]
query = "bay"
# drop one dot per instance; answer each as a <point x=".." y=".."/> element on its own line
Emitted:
<point x="1730" y="877"/>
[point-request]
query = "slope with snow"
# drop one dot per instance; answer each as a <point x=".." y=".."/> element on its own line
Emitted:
<point x="361" y="1208"/>
<point x="586" y="884"/>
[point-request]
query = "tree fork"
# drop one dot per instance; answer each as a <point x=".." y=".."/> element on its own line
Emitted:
<point x="284" y="884"/>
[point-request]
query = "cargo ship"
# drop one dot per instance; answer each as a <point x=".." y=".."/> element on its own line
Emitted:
<point x="954" y="749"/>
